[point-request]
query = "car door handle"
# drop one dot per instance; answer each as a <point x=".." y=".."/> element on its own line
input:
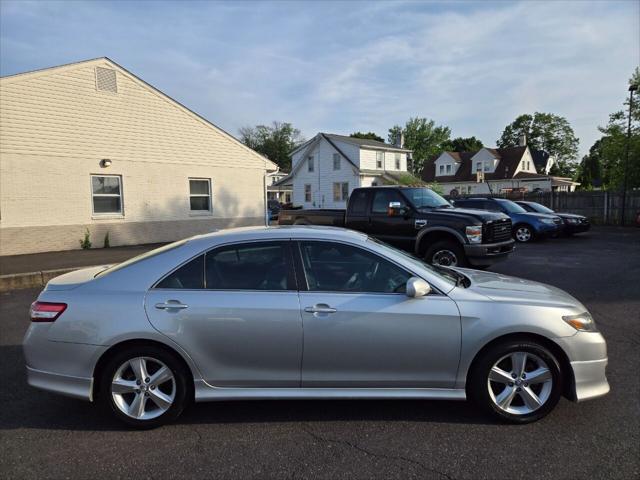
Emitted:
<point x="320" y="308"/>
<point x="171" y="304"/>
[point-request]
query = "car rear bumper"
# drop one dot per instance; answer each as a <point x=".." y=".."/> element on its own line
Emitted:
<point x="76" y="387"/>
<point x="486" y="254"/>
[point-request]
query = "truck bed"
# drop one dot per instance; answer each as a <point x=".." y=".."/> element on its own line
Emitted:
<point x="328" y="217"/>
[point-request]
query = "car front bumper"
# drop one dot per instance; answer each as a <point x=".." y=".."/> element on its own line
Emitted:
<point x="486" y="254"/>
<point x="587" y="352"/>
<point x="576" y="227"/>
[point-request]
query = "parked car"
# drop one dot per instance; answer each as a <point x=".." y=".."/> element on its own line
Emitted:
<point x="419" y="221"/>
<point x="307" y="312"/>
<point x="527" y="226"/>
<point x="273" y="206"/>
<point x="572" y="223"/>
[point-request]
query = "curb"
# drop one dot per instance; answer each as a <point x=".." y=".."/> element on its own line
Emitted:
<point x="18" y="281"/>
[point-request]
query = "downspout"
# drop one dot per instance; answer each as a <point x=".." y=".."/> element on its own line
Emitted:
<point x="266" y="202"/>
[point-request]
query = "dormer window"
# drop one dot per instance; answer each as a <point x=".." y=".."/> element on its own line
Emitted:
<point x="441" y="169"/>
<point x="448" y="168"/>
<point x="478" y="166"/>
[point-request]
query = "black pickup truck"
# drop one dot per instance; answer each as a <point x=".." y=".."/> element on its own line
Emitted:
<point x="419" y="221"/>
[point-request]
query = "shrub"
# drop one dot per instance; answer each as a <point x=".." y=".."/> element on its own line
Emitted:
<point x="85" y="243"/>
<point x="106" y="241"/>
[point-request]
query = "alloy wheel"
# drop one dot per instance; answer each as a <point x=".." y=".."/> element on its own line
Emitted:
<point x="445" y="258"/>
<point x="523" y="234"/>
<point x="143" y="388"/>
<point x="520" y="383"/>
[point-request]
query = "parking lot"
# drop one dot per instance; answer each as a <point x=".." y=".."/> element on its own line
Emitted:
<point x="49" y="436"/>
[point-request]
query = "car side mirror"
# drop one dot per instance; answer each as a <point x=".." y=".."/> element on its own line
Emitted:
<point x="395" y="209"/>
<point x="417" y="287"/>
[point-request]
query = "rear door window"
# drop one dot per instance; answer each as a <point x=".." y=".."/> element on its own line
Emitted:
<point x="189" y="276"/>
<point x="358" y="202"/>
<point x="250" y="266"/>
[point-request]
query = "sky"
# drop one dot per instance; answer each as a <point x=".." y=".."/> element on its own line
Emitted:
<point x="340" y="67"/>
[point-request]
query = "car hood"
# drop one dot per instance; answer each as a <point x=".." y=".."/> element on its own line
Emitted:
<point x="482" y="215"/>
<point x="538" y="215"/>
<point x="505" y="288"/>
<point x="570" y="215"/>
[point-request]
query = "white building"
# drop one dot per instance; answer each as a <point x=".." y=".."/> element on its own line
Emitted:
<point x="90" y="146"/>
<point x="328" y="167"/>
<point x="494" y="170"/>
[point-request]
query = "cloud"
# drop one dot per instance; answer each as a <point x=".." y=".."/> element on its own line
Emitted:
<point x="351" y="66"/>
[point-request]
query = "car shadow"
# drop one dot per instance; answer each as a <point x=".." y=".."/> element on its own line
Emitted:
<point x="25" y="407"/>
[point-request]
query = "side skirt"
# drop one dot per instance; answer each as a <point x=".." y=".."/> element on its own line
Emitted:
<point x="206" y="393"/>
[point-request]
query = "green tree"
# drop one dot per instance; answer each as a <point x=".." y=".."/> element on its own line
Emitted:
<point x="367" y="136"/>
<point x="548" y="132"/>
<point x="274" y="142"/>
<point x="610" y="149"/>
<point x="462" y="144"/>
<point x="589" y="172"/>
<point x="424" y="137"/>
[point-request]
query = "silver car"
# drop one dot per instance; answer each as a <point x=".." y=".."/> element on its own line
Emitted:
<point x="307" y="312"/>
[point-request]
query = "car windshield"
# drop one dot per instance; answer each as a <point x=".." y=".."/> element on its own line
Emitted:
<point x="540" y="208"/>
<point x="446" y="274"/>
<point x="143" y="256"/>
<point x="511" y="207"/>
<point x="425" y="198"/>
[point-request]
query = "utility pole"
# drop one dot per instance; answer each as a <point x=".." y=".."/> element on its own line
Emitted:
<point x="632" y="88"/>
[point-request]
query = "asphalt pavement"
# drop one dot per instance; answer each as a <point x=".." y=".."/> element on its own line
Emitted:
<point x="47" y="436"/>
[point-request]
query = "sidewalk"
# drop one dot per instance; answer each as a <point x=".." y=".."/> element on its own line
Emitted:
<point x="34" y="270"/>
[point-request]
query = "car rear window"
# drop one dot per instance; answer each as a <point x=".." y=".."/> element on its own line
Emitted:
<point x="139" y="258"/>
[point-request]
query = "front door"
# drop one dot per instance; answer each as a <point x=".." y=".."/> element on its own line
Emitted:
<point x="361" y="330"/>
<point x="394" y="230"/>
<point x="235" y="309"/>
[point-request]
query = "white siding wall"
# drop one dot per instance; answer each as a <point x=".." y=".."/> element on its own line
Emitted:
<point x="368" y="160"/>
<point x="526" y="163"/>
<point x="445" y="159"/>
<point x="487" y="158"/>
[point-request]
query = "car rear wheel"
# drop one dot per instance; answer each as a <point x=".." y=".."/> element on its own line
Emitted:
<point x="517" y="382"/>
<point x="523" y="233"/>
<point x="446" y="254"/>
<point x="144" y="386"/>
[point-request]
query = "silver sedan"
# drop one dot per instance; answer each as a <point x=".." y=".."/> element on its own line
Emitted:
<point x="307" y="312"/>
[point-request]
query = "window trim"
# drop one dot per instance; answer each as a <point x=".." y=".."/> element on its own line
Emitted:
<point x="311" y="167"/>
<point x="292" y="281"/>
<point x="95" y="214"/>
<point x="310" y="193"/>
<point x="381" y="161"/>
<point x="397" y="158"/>
<point x="199" y="195"/>
<point x="336" y="156"/>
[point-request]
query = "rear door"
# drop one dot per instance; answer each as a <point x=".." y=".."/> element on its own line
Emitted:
<point x="360" y="328"/>
<point x="235" y="310"/>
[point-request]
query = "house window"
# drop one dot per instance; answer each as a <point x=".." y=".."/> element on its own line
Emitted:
<point x="307" y="193"/>
<point x="311" y="167"/>
<point x="336" y="161"/>
<point x="478" y="166"/>
<point x="441" y="169"/>
<point x="200" y="194"/>
<point x="340" y="191"/>
<point x="106" y="192"/>
<point x="448" y="168"/>
<point x="397" y="160"/>
<point x="486" y="167"/>
<point x="379" y="159"/>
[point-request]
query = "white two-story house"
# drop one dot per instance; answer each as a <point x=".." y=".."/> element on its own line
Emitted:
<point x="326" y="169"/>
<point x="494" y="170"/>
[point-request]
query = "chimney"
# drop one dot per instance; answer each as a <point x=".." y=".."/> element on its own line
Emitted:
<point x="522" y="140"/>
<point x="399" y="140"/>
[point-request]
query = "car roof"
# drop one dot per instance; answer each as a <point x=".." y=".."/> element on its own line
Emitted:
<point x="279" y="232"/>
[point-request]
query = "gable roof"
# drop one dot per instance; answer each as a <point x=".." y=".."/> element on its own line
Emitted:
<point x="540" y="159"/>
<point x="269" y="165"/>
<point x="509" y="158"/>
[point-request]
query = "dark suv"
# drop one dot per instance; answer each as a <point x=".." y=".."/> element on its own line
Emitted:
<point x="527" y="226"/>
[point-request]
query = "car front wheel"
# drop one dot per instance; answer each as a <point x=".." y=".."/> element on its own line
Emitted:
<point x="517" y="382"/>
<point x="445" y="254"/>
<point x="523" y="233"/>
<point x="144" y="387"/>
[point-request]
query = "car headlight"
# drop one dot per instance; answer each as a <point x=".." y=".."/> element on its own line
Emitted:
<point x="583" y="322"/>
<point x="548" y="221"/>
<point x="474" y="233"/>
<point x="573" y="220"/>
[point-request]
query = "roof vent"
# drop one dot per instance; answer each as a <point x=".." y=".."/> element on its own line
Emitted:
<point x="106" y="80"/>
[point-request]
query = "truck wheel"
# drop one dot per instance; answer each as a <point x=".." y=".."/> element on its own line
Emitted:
<point x="446" y="254"/>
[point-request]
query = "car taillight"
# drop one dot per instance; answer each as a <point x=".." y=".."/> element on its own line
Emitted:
<point x="46" y="311"/>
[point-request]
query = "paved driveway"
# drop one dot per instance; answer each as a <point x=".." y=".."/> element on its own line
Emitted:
<point x="49" y="436"/>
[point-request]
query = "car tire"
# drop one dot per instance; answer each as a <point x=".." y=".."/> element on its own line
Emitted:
<point x="446" y="253"/>
<point x="148" y="402"/>
<point x="492" y="387"/>
<point x="523" y="233"/>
